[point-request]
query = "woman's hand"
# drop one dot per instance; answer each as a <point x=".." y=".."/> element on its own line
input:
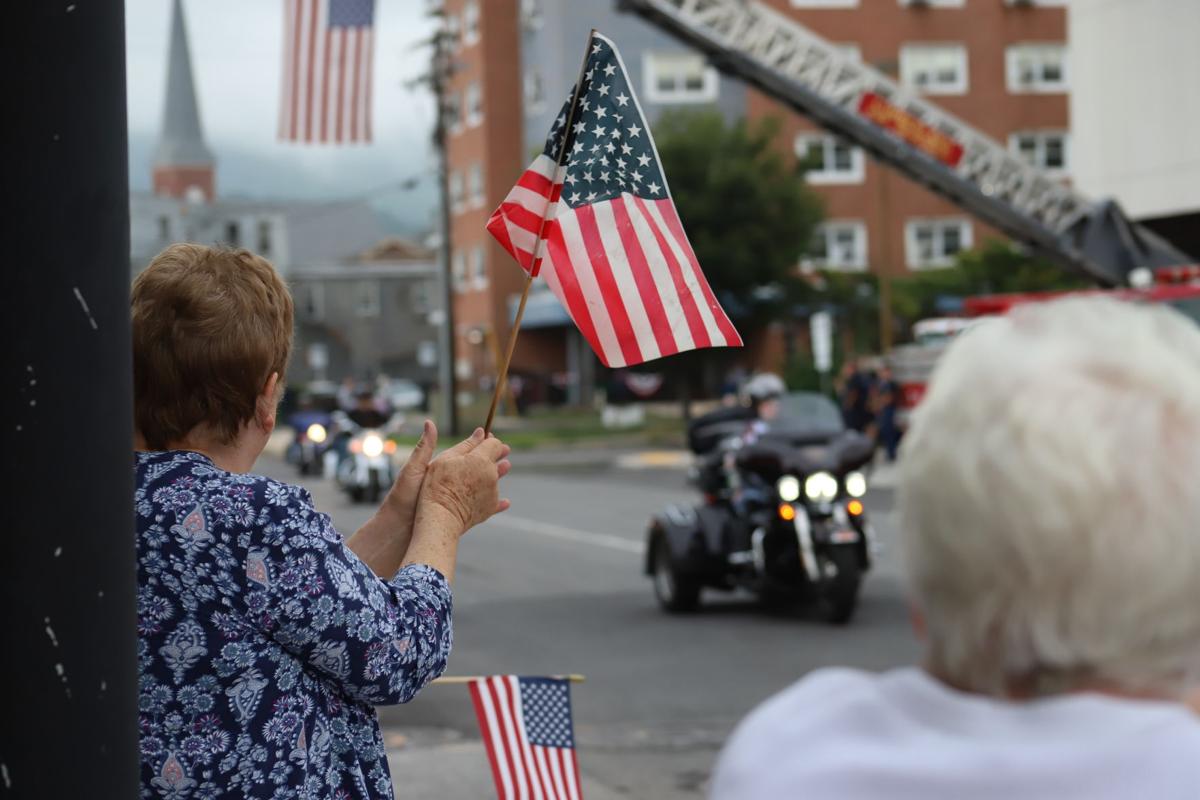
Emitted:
<point x="401" y="500"/>
<point x="463" y="483"/>
<point x="460" y="490"/>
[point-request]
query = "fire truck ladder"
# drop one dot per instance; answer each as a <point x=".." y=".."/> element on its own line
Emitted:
<point x="899" y="128"/>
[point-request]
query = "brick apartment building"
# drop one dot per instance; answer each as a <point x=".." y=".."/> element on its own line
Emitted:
<point x="999" y="64"/>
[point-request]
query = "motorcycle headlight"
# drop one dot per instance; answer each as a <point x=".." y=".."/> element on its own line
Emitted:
<point x="788" y="488"/>
<point x="372" y="445"/>
<point x="316" y="433"/>
<point x="856" y="484"/>
<point x="821" y="486"/>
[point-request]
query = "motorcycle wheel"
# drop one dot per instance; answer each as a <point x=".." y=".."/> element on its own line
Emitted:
<point x="839" y="595"/>
<point x="676" y="593"/>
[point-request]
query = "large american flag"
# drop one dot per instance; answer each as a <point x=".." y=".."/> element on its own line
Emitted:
<point x="614" y="250"/>
<point x="327" y="58"/>
<point x="526" y="726"/>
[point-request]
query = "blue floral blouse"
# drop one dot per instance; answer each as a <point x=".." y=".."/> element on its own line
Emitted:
<point x="264" y="643"/>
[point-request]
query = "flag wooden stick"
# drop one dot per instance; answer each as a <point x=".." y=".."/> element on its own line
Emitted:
<point x="538" y="243"/>
<point x="459" y="679"/>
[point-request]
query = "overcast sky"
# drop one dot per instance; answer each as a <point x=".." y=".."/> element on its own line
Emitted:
<point x="236" y="48"/>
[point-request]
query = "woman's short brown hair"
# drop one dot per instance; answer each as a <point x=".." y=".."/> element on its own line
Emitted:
<point x="210" y="325"/>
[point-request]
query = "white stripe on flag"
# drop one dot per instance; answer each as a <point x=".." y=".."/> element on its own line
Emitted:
<point x="622" y="271"/>
<point x="494" y="726"/>
<point x="364" y="71"/>
<point x="337" y="41"/>
<point x="512" y="737"/>
<point x="689" y="275"/>
<point x="528" y="199"/>
<point x="305" y="18"/>
<point x="660" y="271"/>
<point x="581" y="265"/>
<point x="318" y="84"/>
<point x="552" y="756"/>
<point x="285" y="86"/>
<point x="522" y="238"/>
<point x="514" y="686"/>
<point x="543" y="769"/>
<point x="573" y="791"/>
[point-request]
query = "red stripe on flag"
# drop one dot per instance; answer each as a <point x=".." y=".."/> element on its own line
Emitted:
<point x="640" y="268"/>
<point x="524" y="752"/>
<point x="298" y="9"/>
<point x="570" y="774"/>
<point x="690" y="312"/>
<point x="609" y="291"/>
<point x="488" y="735"/>
<point x="575" y="772"/>
<point x="370" y="37"/>
<point x="341" y="89"/>
<point x="535" y="182"/>
<point x="522" y="217"/>
<point x="512" y="737"/>
<point x="312" y="57"/>
<point x="572" y="295"/>
<point x="356" y="48"/>
<point x="325" y="86"/>
<point x="667" y="209"/>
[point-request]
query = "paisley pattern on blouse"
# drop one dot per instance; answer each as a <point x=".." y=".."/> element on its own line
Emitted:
<point x="264" y="643"/>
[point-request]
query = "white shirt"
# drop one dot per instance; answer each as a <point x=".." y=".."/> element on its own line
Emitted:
<point x="844" y="734"/>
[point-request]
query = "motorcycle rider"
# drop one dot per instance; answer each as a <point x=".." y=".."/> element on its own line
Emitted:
<point x="762" y="392"/>
<point x="366" y="413"/>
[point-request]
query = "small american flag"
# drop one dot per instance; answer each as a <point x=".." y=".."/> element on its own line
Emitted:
<point x="614" y="251"/>
<point x="526" y="726"/>
<point x="327" y="58"/>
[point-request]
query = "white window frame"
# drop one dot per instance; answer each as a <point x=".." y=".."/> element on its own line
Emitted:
<point x="475" y="188"/>
<point x="534" y="92"/>
<point x="367" y="290"/>
<point x="479" y="276"/>
<point x="966" y="238"/>
<point x="470" y="23"/>
<point x="531" y="14"/>
<point x="1012" y="55"/>
<point x="474" y="110"/>
<point x="828" y="230"/>
<point x="960" y="86"/>
<point x="454" y="112"/>
<point x="1040" y="136"/>
<point x="824" y="3"/>
<point x="827" y="176"/>
<point x="458" y="271"/>
<point x="652" y="66"/>
<point x="457" y="188"/>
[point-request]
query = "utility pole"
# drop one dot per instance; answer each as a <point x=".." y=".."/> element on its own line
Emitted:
<point x="440" y="71"/>
<point x="69" y="719"/>
<point x="885" y="269"/>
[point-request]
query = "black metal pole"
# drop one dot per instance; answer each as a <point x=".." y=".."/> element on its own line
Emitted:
<point x="68" y="715"/>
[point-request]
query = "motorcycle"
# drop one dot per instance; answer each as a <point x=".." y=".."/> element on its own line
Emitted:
<point x="365" y="468"/>
<point x="307" y="448"/>
<point x="793" y="528"/>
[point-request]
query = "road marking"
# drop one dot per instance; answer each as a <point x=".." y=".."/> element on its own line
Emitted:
<point x="568" y="534"/>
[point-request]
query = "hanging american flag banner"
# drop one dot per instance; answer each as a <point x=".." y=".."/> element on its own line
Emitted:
<point x="614" y="251"/>
<point x="327" y="63"/>
<point x="527" y="730"/>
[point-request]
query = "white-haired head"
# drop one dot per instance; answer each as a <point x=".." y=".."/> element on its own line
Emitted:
<point x="1049" y="497"/>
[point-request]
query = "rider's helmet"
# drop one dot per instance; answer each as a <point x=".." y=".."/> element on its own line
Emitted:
<point x="763" y="386"/>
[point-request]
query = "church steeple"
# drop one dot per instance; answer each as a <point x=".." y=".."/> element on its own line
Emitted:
<point x="183" y="164"/>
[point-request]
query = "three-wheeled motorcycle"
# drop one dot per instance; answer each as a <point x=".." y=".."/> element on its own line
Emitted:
<point x="782" y="517"/>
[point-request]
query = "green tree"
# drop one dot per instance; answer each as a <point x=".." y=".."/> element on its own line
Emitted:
<point x="744" y="205"/>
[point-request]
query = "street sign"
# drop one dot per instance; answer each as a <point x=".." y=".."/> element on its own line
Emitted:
<point x="821" y="329"/>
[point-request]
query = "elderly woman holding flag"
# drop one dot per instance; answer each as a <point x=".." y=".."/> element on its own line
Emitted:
<point x="265" y="640"/>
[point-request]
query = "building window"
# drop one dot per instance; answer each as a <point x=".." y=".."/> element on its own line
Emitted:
<point x="458" y="271"/>
<point x="470" y="23"/>
<point x="232" y="234"/>
<point x="478" y="269"/>
<point x="531" y="14"/>
<point x="1036" y="68"/>
<point x="454" y="119"/>
<point x="420" y="297"/>
<point x="311" y="301"/>
<point x="454" y="30"/>
<point x="164" y="228"/>
<point x="934" y="68"/>
<point x="264" y="237"/>
<point x="475" y="184"/>
<point x="829" y="159"/>
<point x="1043" y="149"/>
<point x="840" y="244"/>
<point x="535" y="93"/>
<point x="679" y="78"/>
<point x="474" y="105"/>
<point x="366" y="298"/>
<point x="456" y="192"/>
<point x="935" y="242"/>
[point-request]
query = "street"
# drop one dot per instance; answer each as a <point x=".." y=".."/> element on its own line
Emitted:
<point x="555" y="586"/>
